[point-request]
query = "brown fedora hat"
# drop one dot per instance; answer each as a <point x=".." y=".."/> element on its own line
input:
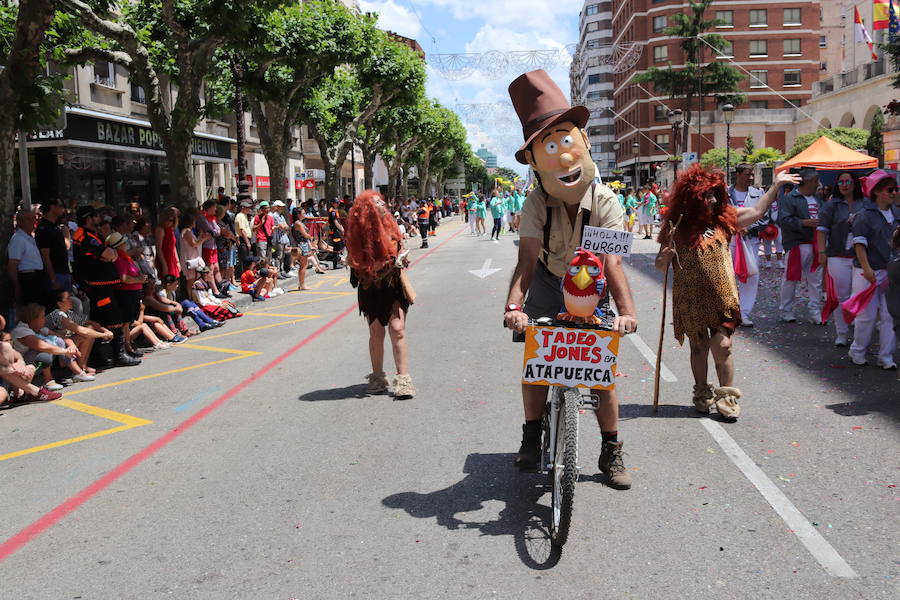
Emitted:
<point x="541" y="104"/>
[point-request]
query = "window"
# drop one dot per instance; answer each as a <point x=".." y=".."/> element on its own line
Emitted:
<point x="791" y="16"/>
<point x="594" y="95"/>
<point x="759" y="104"/>
<point x="792" y="47"/>
<point x="138" y="94"/>
<point x="659" y="23"/>
<point x="792" y="103"/>
<point x="792" y="78"/>
<point x="759" y="79"/>
<point x="725" y="18"/>
<point x="660" y="113"/>
<point x="727" y="49"/>
<point x="595" y="43"/>
<point x="105" y="73"/>
<point x="596" y="149"/>
<point x="823" y="41"/>
<point x="662" y="140"/>
<point x="758" y="18"/>
<point x="759" y="48"/>
<point x="593" y="26"/>
<point x="592" y="9"/>
<point x="660" y="53"/>
<point x="595" y="130"/>
<point x="593" y="78"/>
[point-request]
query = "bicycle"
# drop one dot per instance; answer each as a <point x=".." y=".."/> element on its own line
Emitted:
<point x="559" y="439"/>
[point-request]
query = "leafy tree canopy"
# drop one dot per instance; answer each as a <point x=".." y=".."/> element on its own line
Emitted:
<point x="851" y="137"/>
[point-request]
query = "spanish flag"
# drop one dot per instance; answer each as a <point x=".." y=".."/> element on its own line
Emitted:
<point x="881" y="14"/>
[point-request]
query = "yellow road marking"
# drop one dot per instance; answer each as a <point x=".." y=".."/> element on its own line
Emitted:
<point x="225" y="350"/>
<point x="221" y="335"/>
<point x="329" y="296"/>
<point x="262" y="314"/>
<point x="127" y="421"/>
<point x="340" y="281"/>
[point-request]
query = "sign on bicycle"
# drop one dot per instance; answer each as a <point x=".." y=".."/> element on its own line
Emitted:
<point x="570" y="357"/>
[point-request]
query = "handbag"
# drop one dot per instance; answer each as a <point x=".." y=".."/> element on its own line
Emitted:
<point x="195" y="263"/>
<point x="408" y="289"/>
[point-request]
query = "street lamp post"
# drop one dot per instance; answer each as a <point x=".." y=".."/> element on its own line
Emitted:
<point x="728" y="117"/>
<point x="636" y="150"/>
<point x="676" y="119"/>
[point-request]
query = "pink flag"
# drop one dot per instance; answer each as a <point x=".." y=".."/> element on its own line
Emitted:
<point x="831" y="298"/>
<point x="740" y="260"/>
<point x="858" y="303"/>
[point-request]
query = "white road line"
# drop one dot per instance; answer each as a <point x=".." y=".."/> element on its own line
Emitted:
<point x="821" y="550"/>
<point x="650" y="355"/>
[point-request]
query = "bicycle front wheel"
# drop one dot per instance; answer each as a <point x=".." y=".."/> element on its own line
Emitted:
<point x="564" y="471"/>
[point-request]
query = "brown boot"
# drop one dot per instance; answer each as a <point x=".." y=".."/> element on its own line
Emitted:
<point x="703" y="397"/>
<point x="611" y="465"/>
<point x="378" y="383"/>
<point x="726" y="403"/>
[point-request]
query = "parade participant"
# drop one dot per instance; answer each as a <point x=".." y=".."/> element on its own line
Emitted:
<point x="377" y="260"/>
<point x="630" y="204"/>
<point x="423" y="213"/>
<point x="873" y="233"/>
<point x="480" y="214"/>
<point x="742" y="194"/>
<point x="471" y="207"/>
<point x="705" y="302"/>
<point x="95" y="272"/>
<point x="798" y="216"/>
<point x="551" y="225"/>
<point x="647" y="207"/>
<point x="772" y="245"/>
<point x="835" y="243"/>
<point x="498" y="206"/>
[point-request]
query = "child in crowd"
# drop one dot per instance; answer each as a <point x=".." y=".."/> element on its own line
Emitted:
<point x="255" y="281"/>
<point x="16" y="375"/>
<point x="34" y="341"/>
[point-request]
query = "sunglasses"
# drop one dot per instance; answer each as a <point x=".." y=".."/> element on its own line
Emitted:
<point x="892" y="189"/>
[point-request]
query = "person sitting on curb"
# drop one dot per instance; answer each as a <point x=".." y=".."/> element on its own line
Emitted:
<point x="33" y="340"/>
<point x="17" y="375"/>
<point x="66" y="323"/>
<point x="254" y="282"/>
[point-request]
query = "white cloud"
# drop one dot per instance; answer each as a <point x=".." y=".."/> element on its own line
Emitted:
<point x="393" y="17"/>
<point x="536" y="15"/>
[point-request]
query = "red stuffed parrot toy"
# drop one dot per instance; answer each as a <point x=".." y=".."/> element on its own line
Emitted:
<point x="583" y="286"/>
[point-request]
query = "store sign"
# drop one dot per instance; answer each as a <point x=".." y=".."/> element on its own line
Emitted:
<point x="262" y="181"/>
<point x="102" y="131"/>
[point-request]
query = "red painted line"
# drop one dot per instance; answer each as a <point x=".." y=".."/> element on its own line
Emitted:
<point x="23" y="537"/>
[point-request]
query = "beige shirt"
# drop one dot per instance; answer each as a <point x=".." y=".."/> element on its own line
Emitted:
<point x="242" y="225"/>
<point x="564" y="236"/>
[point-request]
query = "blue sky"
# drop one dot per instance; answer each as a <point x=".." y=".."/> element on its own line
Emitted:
<point x="478" y="26"/>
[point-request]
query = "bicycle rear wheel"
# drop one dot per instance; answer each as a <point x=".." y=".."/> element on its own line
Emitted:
<point x="564" y="471"/>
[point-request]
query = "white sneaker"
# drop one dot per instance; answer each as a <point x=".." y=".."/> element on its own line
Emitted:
<point x="780" y="263"/>
<point x="887" y="365"/>
<point x="788" y="318"/>
<point x="53" y="386"/>
<point x="859" y="362"/>
<point x="840" y="341"/>
<point x="162" y="346"/>
<point x="746" y="322"/>
<point x="84" y="377"/>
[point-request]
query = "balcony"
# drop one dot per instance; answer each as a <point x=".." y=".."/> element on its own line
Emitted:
<point x="856" y="76"/>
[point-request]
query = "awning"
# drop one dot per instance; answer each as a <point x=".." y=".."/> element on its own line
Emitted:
<point x="825" y="154"/>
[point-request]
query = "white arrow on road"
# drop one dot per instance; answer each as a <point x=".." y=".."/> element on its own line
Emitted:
<point x="485" y="270"/>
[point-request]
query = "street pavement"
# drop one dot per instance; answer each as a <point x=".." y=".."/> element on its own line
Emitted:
<point x="249" y="463"/>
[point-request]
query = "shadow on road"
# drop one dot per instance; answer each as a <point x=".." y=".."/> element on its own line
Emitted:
<point x="491" y="477"/>
<point x="355" y="391"/>
<point x="803" y="345"/>
<point x="666" y="411"/>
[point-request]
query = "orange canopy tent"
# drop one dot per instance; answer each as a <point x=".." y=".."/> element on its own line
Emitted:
<point x="825" y="154"/>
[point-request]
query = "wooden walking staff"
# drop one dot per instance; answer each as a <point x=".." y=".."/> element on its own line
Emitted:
<point x="662" y="323"/>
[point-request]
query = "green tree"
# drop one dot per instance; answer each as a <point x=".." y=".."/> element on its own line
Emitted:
<point x="298" y="44"/>
<point x="875" y="143"/>
<point x="749" y="146"/>
<point x="717" y="158"/>
<point x="475" y="171"/>
<point x="764" y="155"/>
<point x="848" y="136"/>
<point x="342" y="103"/>
<point x="167" y="45"/>
<point x="441" y="131"/>
<point x="32" y="33"/>
<point x="695" y="79"/>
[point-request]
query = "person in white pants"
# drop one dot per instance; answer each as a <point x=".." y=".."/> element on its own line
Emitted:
<point x="873" y="230"/>
<point x="835" y="243"/>
<point x="798" y="216"/>
<point x="743" y="194"/>
<point x="771" y="247"/>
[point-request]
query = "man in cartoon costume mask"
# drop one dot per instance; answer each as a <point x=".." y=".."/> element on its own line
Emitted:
<point x="563" y="201"/>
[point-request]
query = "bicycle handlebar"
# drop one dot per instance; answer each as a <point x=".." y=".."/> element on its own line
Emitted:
<point x="606" y="325"/>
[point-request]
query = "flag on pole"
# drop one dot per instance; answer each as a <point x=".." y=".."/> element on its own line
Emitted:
<point x="862" y="34"/>
<point x="880" y="14"/>
<point x="893" y="22"/>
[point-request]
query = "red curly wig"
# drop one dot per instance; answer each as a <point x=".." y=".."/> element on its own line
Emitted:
<point x="373" y="238"/>
<point x="689" y="199"/>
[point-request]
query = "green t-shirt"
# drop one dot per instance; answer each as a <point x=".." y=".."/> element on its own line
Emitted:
<point x="498" y="205"/>
<point x="480" y="209"/>
<point x="621" y="199"/>
<point x="510" y="203"/>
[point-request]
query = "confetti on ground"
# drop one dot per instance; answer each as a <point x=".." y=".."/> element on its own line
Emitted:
<point x="891" y="485"/>
<point x="795" y="444"/>
<point x="702" y="487"/>
<point x="857" y="427"/>
<point x="710" y="450"/>
<point x="770" y="451"/>
<point x="783" y="478"/>
<point x="620" y="374"/>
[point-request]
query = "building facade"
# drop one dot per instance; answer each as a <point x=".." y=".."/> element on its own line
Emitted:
<point x="591" y="81"/>
<point x="489" y="158"/>
<point x="776" y="45"/>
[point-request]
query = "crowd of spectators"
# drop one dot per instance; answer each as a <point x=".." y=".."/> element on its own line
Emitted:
<point x="93" y="288"/>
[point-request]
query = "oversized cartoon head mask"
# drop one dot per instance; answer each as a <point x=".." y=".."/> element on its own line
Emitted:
<point x="556" y="145"/>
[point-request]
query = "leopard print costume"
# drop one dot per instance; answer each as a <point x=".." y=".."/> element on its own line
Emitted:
<point x="704" y="291"/>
